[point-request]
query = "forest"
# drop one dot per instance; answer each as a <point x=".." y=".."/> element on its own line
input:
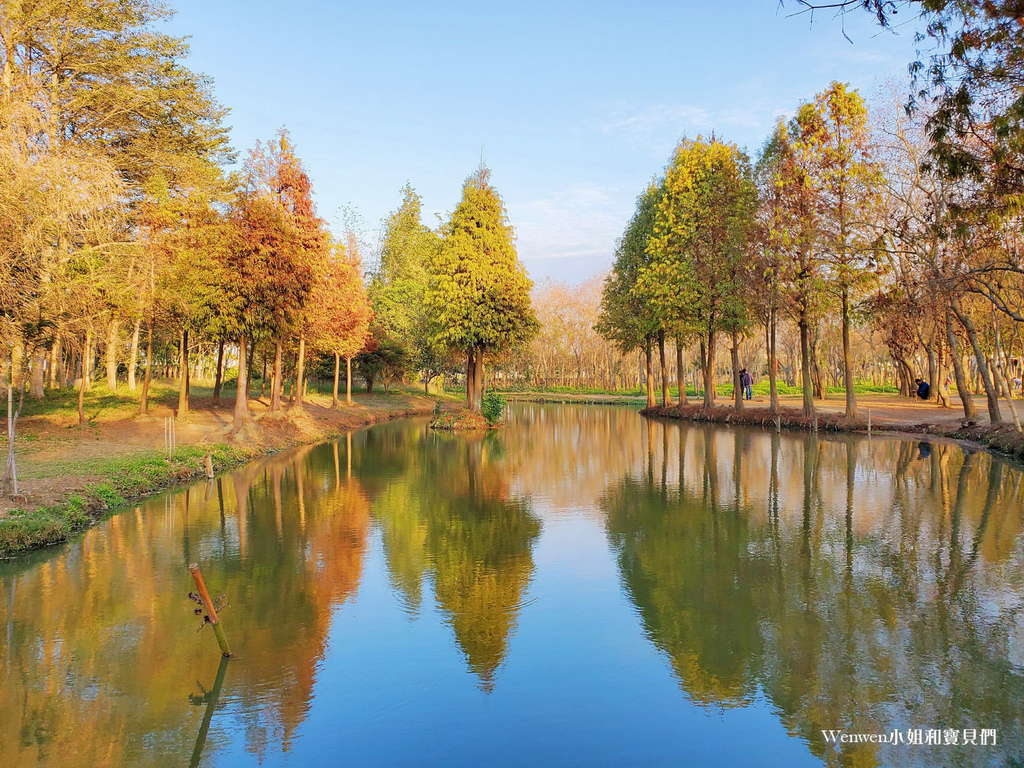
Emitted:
<point x="130" y="249"/>
<point x="866" y="244"/>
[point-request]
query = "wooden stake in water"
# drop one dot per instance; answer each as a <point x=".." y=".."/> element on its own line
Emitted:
<point x="208" y="459"/>
<point x="211" y="704"/>
<point x="211" y="612"/>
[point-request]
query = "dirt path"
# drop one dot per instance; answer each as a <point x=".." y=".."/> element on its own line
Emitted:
<point x="893" y="411"/>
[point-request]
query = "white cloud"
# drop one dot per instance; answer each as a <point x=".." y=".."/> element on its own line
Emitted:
<point x="659" y="127"/>
<point x="580" y="223"/>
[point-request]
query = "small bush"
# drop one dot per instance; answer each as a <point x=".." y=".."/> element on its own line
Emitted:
<point x="493" y="407"/>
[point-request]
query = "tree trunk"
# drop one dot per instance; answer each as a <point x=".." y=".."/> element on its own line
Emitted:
<point x="276" y="384"/>
<point x="1009" y="400"/>
<point x="680" y="372"/>
<point x="905" y="374"/>
<point x="819" y="385"/>
<point x="133" y="355"/>
<point x="10" y="479"/>
<point x="649" y="363"/>
<point x="929" y="354"/>
<point x="805" y="367"/>
<point x="991" y="397"/>
<point x="965" y="362"/>
<point x="249" y="369"/>
<point x="698" y="375"/>
<point x="300" y="375"/>
<point x="941" y="387"/>
<point x="183" y="374"/>
<point x="709" y="372"/>
<point x="115" y="326"/>
<point x="970" y="412"/>
<point x="1001" y="369"/>
<point x="36" y="380"/>
<point x="666" y="397"/>
<point x="89" y="359"/>
<point x="470" y="373"/>
<point x="84" y="383"/>
<point x="54" y="369"/>
<point x="480" y="380"/>
<point x="337" y="376"/>
<point x="348" y="380"/>
<point x="242" y="413"/>
<point x="848" y="382"/>
<point x="737" y="388"/>
<point x="773" y="363"/>
<point x="220" y="374"/>
<point x="148" y="375"/>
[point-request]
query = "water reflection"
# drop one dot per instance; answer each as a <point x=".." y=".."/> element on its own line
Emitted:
<point x="447" y="515"/>
<point x="583" y="587"/>
<point x="101" y="656"/>
<point x="854" y="595"/>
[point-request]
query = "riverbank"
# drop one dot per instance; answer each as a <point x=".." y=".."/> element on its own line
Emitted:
<point x="888" y="413"/>
<point x="71" y="475"/>
<point x="574" y="398"/>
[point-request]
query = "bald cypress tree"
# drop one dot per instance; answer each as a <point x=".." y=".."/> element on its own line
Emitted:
<point x="478" y="296"/>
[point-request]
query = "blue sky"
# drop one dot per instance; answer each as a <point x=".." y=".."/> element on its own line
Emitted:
<point x="574" y="105"/>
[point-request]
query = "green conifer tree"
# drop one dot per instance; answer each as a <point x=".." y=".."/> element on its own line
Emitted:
<point x="478" y="297"/>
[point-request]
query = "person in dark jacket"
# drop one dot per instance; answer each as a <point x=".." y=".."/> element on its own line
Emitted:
<point x="747" y="382"/>
<point x="924" y="389"/>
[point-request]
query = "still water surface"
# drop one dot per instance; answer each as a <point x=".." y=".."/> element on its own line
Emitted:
<point x="585" y="587"/>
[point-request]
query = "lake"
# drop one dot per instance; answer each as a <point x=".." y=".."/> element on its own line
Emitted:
<point x="585" y="587"/>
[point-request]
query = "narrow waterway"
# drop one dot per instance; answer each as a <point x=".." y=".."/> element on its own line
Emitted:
<point x="583" y="587"/>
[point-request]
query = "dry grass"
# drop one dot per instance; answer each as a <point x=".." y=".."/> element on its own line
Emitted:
<point x="1002" y="437"/>
<point x="457" y="421"/>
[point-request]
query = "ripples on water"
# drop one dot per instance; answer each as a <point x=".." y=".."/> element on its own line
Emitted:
<point x="582" y="588"/>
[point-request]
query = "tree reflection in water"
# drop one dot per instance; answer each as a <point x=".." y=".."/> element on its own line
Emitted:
<point x="852" y="598"/>
<point x="101" y="655"/>
<point x="447" y="516"/>
<point x="841" y="583"/>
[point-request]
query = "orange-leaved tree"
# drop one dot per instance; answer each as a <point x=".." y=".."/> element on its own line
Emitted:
<point x="275" y="176"/>
<point x="341" y="323"/>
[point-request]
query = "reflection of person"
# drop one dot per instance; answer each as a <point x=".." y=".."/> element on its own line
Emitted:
<point x="924" y="450"/>
<point x="924" y="389"/>
<point x="747" y="382"/>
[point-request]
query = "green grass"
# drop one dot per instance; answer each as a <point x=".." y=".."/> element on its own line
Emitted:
<point x="127" y="477"/>
<point x="99" y="401"/>
<point x="722" y="390"/>
<point x="762" y="388"/>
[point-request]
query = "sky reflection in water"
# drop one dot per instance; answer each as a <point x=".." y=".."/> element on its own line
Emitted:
<point x="583" y="587"/>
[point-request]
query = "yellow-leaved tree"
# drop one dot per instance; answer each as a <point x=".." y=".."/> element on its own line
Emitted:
<point x="478" y="296"/>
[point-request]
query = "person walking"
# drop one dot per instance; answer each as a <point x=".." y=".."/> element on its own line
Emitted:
<point x="747" y="382"/>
